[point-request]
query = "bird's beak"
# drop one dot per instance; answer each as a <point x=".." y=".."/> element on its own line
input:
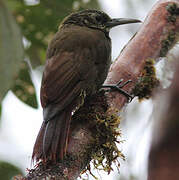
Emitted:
<point x="119" y="21"/>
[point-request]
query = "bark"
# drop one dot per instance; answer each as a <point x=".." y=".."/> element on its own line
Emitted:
<point x="154" y="39"/>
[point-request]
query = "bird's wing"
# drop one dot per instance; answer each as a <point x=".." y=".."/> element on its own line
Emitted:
<point x="65" y="77"/>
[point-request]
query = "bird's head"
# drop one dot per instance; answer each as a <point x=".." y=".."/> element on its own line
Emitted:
<point x="96" y="19"/>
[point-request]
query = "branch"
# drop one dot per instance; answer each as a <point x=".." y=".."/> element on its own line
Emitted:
<point x="154" y="39"/>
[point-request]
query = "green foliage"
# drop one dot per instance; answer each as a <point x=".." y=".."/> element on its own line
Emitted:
<point x="23" y="87"/>
<point x="11" y="60"/>
<point x="7" y="171"/>
<point x="11" y="49"/>
<point x="39" y="22"/>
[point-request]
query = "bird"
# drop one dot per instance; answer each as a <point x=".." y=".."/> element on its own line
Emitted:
<point x="77" y="62"/>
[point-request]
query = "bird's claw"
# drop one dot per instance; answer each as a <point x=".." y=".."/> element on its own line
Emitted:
<point x="119" y="87"/>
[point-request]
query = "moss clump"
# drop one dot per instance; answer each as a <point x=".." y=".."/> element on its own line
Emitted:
<point x="167" y="43"/>
<point x="173" y="12"/>
<point x="104" y="125"/>
<point x="147" y="82"/>
<point x="105" y="151"/>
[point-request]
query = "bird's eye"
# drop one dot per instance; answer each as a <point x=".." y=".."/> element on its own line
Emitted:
<point x="98" y="18"/>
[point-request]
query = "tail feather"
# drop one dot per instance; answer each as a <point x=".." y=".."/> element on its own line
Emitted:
<point x="56" y="145"/>
<point x="48" y="137"/>
<point x="51" y="142"/>
<point x="64" y="136"/>
<point x="38" y="148"/>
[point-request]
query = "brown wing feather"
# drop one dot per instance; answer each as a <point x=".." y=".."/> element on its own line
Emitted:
<point x="58" y="84"/>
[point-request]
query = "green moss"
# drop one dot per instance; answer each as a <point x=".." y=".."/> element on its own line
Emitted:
<point x="147" y="82"/>
<point x="104" y="125"/>
<point x="105" y="151"/>
<point x="167" y="43"/>
<point x="172" y="9"/>
<point x="173" y="12"/>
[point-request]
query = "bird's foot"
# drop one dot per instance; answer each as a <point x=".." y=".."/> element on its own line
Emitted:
<point x="118" y="87"/>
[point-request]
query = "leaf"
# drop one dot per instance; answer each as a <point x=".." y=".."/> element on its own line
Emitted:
<point x="23" y="87"/>
<point x="11" y="49"/>
<point x="7" y="170"/>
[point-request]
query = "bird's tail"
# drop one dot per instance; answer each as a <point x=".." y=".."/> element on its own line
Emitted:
<point x="51" y="142"/>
